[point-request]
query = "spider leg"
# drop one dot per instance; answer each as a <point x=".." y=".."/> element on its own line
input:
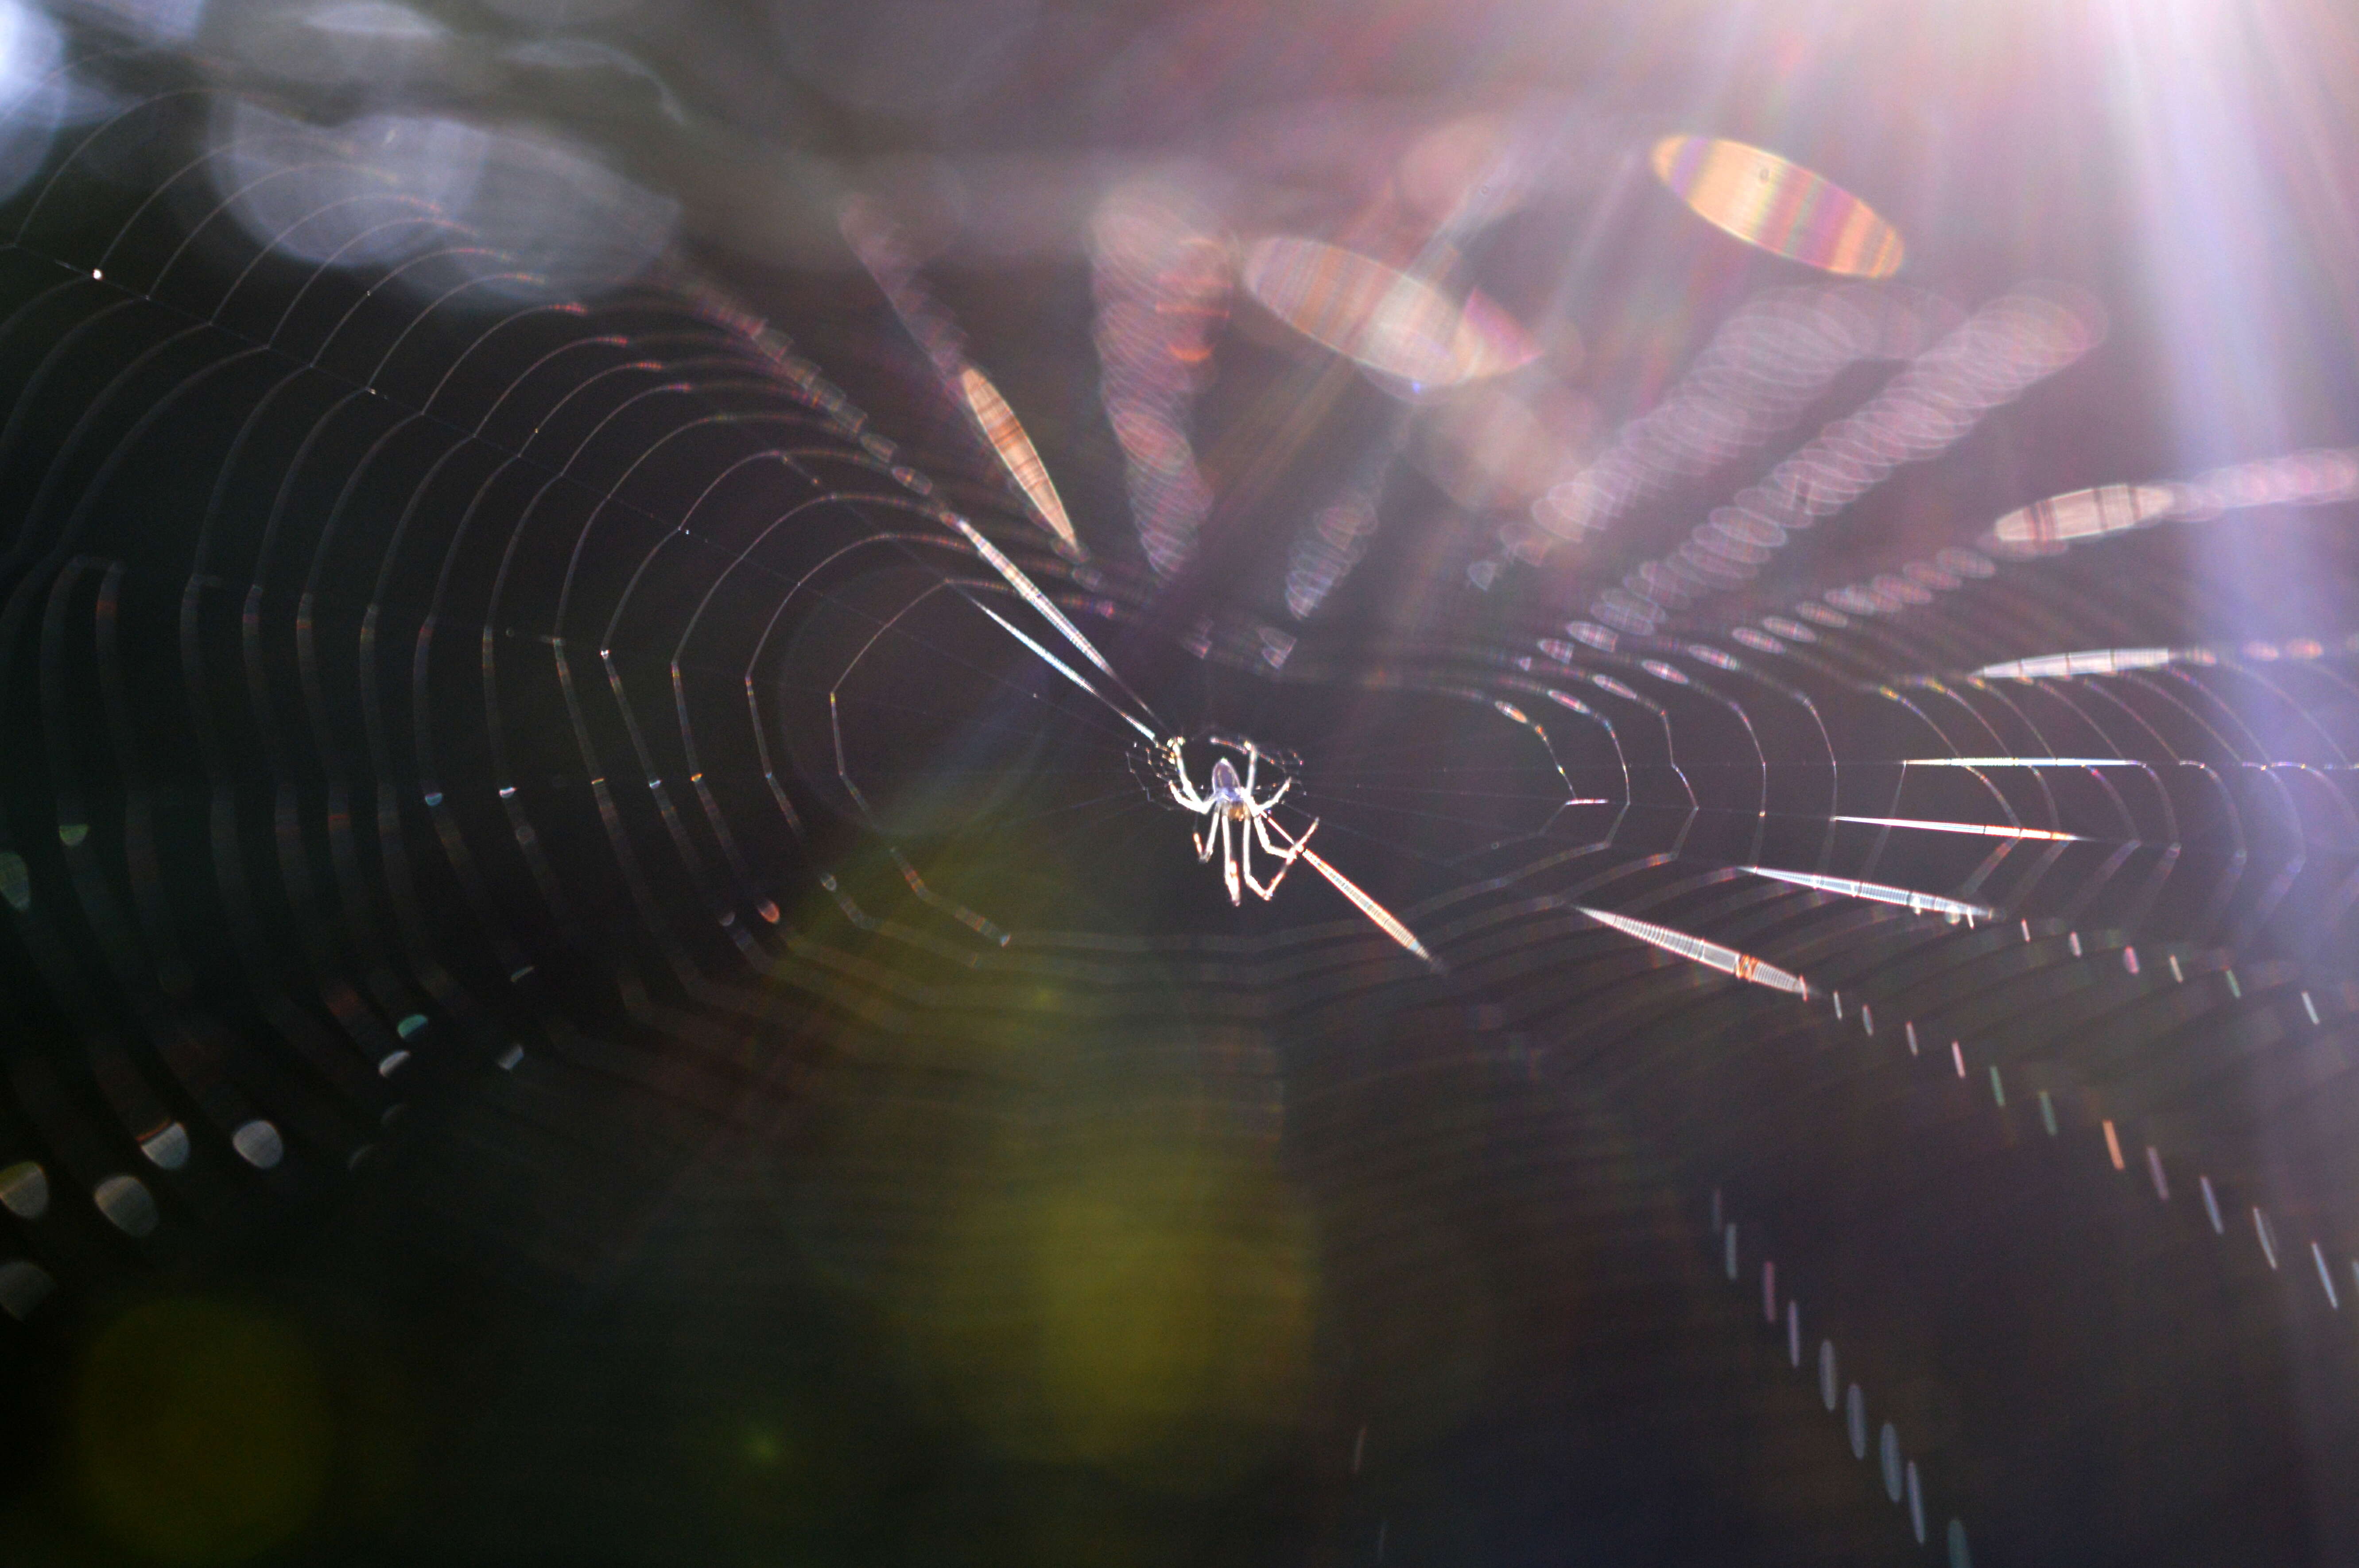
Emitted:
<point x="1286" y="857"/>
<point x="1203" y="808"/>
<point x="1245" y="851"/>
<point x="1294" y="841"/>
<point x="1183" y="788"/>
<point x="1229" y="862"/>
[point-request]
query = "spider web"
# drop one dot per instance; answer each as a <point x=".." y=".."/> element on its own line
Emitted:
<point x="444" y="655"/>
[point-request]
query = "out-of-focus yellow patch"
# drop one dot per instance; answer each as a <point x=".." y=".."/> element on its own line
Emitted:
<point x="1083" y="1244"/>
<point x="1148" y="1310"/>
<point x="201" y="1432"/>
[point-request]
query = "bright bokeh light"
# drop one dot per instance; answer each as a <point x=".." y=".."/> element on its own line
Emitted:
<point x="1015" y="450"/>
<point x="2083" y="514"/>
<point x="37" y="95"/>
<point x="517" y="213"/>
<point x="1160" y="273"/>
<point x="1781" y="207"/>
<point x="151" y="21"/>
<point x="1388" y="321"/>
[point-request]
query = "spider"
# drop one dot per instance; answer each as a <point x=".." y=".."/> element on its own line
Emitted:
<point x="1229" y="803"/>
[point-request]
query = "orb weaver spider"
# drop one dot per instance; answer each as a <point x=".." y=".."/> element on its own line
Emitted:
<point x="1231" y="805"/>
<point x="1228" y="803"/>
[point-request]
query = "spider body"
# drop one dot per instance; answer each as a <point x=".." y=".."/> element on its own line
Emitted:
<point x="1227" y="794"/>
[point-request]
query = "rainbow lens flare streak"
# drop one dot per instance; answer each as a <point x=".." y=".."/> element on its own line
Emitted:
<point x="1880" y="892"/>
<point x="2094" y="662"/>
<point x="1711" y="954"/>
<point x="1978" y="830"/>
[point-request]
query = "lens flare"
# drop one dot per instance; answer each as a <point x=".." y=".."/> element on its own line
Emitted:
<point x="1781" y="207"/>
<point x="1711" y="954"/>
<point x="1387" y="321"/>
<point x="25" y="1190"/>
<point x="1015" y="450"/>
<point x="1881" y="892"/>
<point x="2093" y="662"/>
<point x="1974" y="829"/>
<point x="2083" y="514"/>
<point x="1161" y="271"/>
